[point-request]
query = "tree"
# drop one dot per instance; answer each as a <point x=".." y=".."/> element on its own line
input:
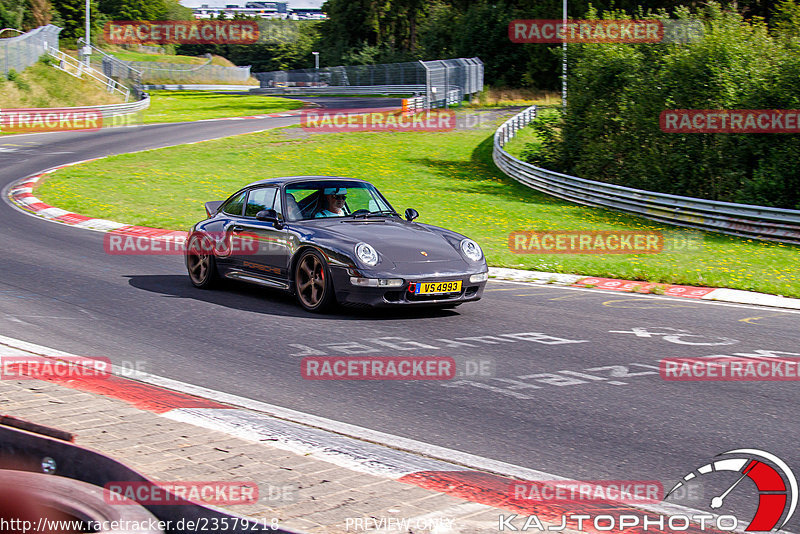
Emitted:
<point x="145" y="10"/>
<point x="41" y="12"/>
<point x="11" y="13"/>
<point x="72" y="14"/>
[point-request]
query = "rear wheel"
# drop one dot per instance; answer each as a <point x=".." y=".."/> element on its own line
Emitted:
<point x="313" y="284"/>
<point x="200" y="261"/>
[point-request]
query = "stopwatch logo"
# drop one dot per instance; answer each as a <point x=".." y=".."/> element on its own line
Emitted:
<point x="777" y="485"/>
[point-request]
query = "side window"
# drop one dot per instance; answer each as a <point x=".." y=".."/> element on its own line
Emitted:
<point x="260" y="199"/>
<point x="234" y="206"/>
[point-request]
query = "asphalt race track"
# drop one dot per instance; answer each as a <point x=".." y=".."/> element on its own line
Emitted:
<point x="576" y="390"/>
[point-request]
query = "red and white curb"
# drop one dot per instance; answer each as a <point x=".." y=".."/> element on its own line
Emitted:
<point x="248" y="117"/>
<point x="21" y="194"/>
<point x="735" y="296"/>
<point x="473" y="478"/>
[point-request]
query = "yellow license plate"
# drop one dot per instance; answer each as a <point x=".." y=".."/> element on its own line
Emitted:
<point x="427" y="288"/>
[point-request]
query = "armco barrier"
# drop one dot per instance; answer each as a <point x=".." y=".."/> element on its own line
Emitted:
<point x="745" y="220"/>
<point x="342" y="90"/>
<point x="197" y="87"/>
<point x="107" y="110"/>
<point x="116" y="110"/>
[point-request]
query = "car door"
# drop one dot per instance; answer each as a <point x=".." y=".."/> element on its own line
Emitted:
<point x="270" y="257"/>
<point x="221" y="229"/>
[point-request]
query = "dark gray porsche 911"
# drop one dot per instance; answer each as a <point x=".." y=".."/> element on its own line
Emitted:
<point x="329" y="239"/>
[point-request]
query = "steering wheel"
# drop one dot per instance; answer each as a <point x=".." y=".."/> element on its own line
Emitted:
<point x="360" y="212"/>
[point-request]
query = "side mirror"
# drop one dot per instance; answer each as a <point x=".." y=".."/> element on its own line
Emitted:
<point x="270" y="216"/>
<point x="411" y="214"/>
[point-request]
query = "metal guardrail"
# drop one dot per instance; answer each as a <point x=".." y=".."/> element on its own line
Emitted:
<point x="106" y="110"/>
<point x="419" y="103"/>
<point x="744" y="220"/>
<point x="72" y="66"/>
<point x="112" y="66"/>
<point x="197" y="87"/>
<point x="116" y="110"/>
<point x="342" y="90"/>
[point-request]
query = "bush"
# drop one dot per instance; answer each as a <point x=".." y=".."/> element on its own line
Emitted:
<point x="617" y="92"/>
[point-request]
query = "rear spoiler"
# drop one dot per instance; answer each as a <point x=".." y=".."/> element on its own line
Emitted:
<point x="213" y="207"/>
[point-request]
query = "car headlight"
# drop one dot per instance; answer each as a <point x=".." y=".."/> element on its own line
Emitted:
<point x="471" y="250"/>
<point x="480" y="277"/>
<point x="367" y="254"/>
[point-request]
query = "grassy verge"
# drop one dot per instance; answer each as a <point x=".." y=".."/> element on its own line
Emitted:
<point x="43" y="86"/>
<point x="448" y="176"/>
<point x="179" y="106"/>
<point x="127" y="55"/>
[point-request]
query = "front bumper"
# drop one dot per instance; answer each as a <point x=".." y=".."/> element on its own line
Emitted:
<point x="383" y="297"/>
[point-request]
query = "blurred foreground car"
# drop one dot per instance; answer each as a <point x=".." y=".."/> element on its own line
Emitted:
<point x="329" y="239"/>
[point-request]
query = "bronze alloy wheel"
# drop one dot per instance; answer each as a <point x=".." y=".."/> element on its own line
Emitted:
<point x="200" y="261"/>
<point x="312" y="281"/>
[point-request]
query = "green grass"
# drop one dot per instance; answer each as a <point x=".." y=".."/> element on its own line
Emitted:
<point x="127" y="55"/>
<point x="448" y="177"/>
<point x="43" y="86"/>
<point x="517" y="143"/>
<point x="179" y="106"/>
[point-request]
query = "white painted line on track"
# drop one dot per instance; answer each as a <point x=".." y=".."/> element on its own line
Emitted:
<point x="627" y="294"/>
<point x="338" y="447"/>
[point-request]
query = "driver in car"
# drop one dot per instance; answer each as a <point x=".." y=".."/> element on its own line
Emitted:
<point x="333" y="202"/>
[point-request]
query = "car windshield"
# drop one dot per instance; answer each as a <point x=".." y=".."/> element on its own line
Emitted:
<point x="335" y="198"/>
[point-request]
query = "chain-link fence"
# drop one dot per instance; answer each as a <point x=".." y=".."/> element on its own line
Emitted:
<point x="153" y="72"/>
<point x="24" y="50"/>
<point x="442" y="77"/>
<point x="410" y="73"/>
<point x="439" y="79"/>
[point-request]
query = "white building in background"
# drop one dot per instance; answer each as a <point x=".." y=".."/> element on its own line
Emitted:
<point x="286" y="9"/>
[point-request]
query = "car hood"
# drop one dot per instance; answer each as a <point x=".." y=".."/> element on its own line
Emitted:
<point x="397" y="241"/>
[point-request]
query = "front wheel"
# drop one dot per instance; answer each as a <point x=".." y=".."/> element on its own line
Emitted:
<point x="200" y="262"/>
<point x="312" y="280"/>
